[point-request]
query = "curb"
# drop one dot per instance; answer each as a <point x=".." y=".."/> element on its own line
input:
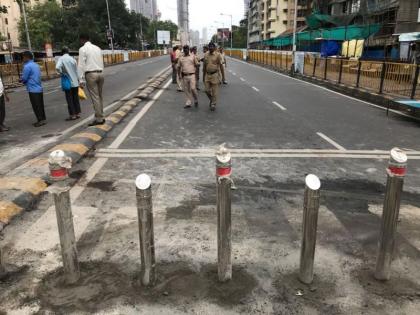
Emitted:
<point x="23" y="187"/>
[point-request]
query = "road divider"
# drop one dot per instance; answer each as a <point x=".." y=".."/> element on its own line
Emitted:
<point x="21" y="188"/>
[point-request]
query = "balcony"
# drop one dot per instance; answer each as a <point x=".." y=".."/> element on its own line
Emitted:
<point x="272" y="18"/>
<point x="270" y="31"/>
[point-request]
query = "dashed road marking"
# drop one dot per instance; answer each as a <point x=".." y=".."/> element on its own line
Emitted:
<point x="255" y="89"/>
<point x="331" y="141"/>
<point x="279" y="106"/>
<point x="233" y="73"/>
<point x="242" y="79"/>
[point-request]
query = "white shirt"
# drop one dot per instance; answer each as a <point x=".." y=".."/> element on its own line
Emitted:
<point x="1" y="87"/>
<point x="90" y="59"/>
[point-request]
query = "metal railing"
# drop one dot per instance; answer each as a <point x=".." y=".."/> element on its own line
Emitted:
<point x="11" y="73"/>
<point x="391" y="78"/>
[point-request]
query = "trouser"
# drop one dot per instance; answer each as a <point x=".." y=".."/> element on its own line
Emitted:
<point x="95" y="83"/>
<point x="190" y="88"/>
<point x="212" y="91"/>
<point x="37" y="101"/>
<point x="2" y="110"/>
<point x="73" y="103"/>
<point x="174" y="74"/>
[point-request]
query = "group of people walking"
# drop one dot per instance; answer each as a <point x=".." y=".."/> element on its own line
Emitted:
<point x="186" y="72"/>
<point x="88" y="71"/>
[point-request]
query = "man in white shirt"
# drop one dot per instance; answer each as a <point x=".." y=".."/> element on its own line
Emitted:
<point x="91" y="67"/>
<point x="3" y="97"/>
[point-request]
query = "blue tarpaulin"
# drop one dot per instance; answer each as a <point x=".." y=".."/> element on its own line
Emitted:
<point x="330" y="48"/>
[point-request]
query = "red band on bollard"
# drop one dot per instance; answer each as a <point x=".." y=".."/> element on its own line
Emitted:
<point x="62" y="172"/>
<point x="223" y="171"/>
<point x="399" y="171"/>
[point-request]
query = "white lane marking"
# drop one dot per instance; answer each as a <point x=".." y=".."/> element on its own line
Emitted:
<point x="242" y="79"/>
<point x="331" y="141"/>
<point x="257" y="151"/>
<point x="248" y="155"/>
<point x="255" y="89"/>
<point x="107" y="109"/>
<point x="87" y="178"/>
<point x="95" y="168"/>
<point x="279" y="106"/>
<point x="233" y="73"/>
<point x="130" y="126"/>
<point x="331" y="91"/>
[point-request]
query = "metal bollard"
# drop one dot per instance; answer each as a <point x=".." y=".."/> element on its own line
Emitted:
<point x="146" y="234"/>
<point x="224" y="220"/>
<point x="396" y="171"/>
<point x="309" y="228"/>
<point x="66" y="233"/>
<point x="59" y="164"/>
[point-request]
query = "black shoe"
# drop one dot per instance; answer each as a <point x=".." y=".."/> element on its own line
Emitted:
<point x="40" y="123"/>
<point x="196" y="103"/>
<point x="224" y="82"/>
<point x="4" y="128"/>
<point x="212" y="107"/>
<point x="95" y="123"/>
<point x="187" y="106"/>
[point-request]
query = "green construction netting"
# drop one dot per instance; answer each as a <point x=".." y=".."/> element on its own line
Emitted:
<point x="341" y="33"/>
<point x="316" y="20"/>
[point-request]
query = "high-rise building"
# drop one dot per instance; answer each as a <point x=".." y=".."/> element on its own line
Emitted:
<point x="194" y="38"/>
<point x="246" y="6"/>
<point x="205" y="35"/>
<point x="270" y="18"/>
<point x="183" y="21"/>
<point x="147" y="8"/>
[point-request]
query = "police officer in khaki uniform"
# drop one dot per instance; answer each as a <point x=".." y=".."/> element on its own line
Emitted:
<point x="213" y="63"/>
<point x="187" y="65"/>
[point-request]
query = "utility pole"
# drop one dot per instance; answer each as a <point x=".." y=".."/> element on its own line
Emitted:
<point x="294" y="28"/>
<point x="141" y="28"/>
<point x="28" y="39"/>
<point x="110" y="28"/>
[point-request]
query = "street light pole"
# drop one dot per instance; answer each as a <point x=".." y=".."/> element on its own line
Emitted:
<point x="28" y="39"/>
<point x="294" y="27"/>
<point x="110" y="28"/>
<point x="141" y="27"/>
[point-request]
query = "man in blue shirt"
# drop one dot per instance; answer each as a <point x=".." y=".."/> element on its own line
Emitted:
<point x="31" y="77"/>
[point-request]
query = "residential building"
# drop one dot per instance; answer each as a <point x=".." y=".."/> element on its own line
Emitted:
<point x="194" y="38"/>
<point x="270" y="18"/>
<point x="9" y="22"/>
<point x="246" y="6"/>
<point x="147" y="8"/>
<point x="204" y="36"/>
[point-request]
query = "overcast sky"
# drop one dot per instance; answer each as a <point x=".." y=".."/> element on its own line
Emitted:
<point x="204" y="13"/>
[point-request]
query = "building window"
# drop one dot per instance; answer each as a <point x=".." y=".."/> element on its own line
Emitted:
<point x="8" y="36"/>
<point x="6" y="21"/>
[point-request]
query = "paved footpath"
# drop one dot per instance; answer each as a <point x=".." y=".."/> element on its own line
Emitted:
<point x="279" y="130"/>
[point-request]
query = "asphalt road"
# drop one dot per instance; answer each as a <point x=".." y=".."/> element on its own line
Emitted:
<point x="23" y="140"/>
<point x="279" y="130"/>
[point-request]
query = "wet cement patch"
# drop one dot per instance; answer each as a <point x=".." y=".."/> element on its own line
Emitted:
<point x="294" y="297"/>
<point x="104" y="284"/>
<point x="102" y="185"/>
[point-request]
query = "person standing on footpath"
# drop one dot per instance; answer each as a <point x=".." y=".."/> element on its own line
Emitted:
<point x="67" y="66"/>
<point x="3" y="99"/>
<point x="31" y="77"/>
<point x="174" y="63"/>
<point x="187" y="65"/>
<point x="212" y="66"/>
<point x="197" y="69"/>
<point x="91" y="67"/>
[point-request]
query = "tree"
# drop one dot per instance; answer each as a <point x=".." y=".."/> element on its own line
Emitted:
<point x="240" y="34"/>
<point x="44" y="22"/>
<point x="61" y="26"/>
